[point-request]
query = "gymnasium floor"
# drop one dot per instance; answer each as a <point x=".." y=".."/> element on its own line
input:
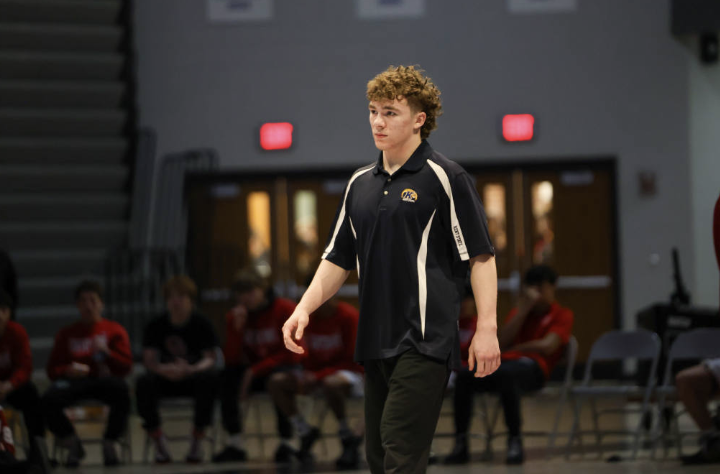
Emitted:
<point x="539" y="415"/>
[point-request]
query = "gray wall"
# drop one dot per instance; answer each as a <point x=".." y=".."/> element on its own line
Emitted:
<point x="608" y="79"/>
<point x="705" y="172"/>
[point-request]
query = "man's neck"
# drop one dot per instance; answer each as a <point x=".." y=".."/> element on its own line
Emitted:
<point x="91" y="321"/>
<point x="394" y="159"/>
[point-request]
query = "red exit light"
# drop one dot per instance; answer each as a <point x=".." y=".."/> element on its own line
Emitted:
<point x="518" y="128"/>
<point x="276" y="136"/>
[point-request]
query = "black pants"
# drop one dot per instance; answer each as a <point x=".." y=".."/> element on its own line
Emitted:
<point x="26" y="399"/>
<point x="231" y="378"/>
<point x="151" y="388"/>
<point x="511" y="380"/>
<point x="403" y="397"/>
<point x="112" y="391"/>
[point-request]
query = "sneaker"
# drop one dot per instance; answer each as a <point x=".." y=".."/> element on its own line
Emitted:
<point x="162" y="453"/>
<point x="709" y="452"/>
<point x="515" y="453"/>
<point x="110" y="457"/>
<point x="230" y="454"/>
<point x="350" y="457"/>
<point x="76" y="452"/>
<point x="195" y="455"/>
<point x="284" y="454"/>
<point x="459" y="455"/>
<point x="306" y="444"/>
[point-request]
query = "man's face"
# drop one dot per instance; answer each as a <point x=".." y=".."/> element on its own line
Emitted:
<point x="251" y="299"/>
<point x="179" y="304"/>
<point x="394" y="123"/>
<point x="4" y="318"/>
<point x="90" y="306"/>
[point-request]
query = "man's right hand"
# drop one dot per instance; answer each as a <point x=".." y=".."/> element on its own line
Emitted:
<point x="528" y="299"/>
<point x="240" y="316"/>
<point x="293" y="330"/>
<point x="78" y="371"/>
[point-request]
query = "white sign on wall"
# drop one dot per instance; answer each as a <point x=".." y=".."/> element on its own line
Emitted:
<point x="231" y="11"/>
<point x="389" y="9"/>
<point x="541" y="6"/>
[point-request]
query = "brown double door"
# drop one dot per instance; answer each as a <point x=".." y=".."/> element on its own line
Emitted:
<point x="556" y="215"/>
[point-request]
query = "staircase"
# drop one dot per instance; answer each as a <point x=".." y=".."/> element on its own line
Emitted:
<point x="67" y="139"/>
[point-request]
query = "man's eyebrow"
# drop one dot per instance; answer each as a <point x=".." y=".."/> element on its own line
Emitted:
<point x="385" y="107"/>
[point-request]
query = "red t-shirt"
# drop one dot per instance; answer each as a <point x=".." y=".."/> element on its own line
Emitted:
<point x="74" y="343"/>
<point x="331" y="342"/>
<point x="6" y="436"/>
<point x="15" y="357"/>
<point x="467" y="328"/>
<point x="260" y="342"/>
<point x="557" y="320"/>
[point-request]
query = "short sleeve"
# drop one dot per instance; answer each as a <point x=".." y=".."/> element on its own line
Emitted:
<point x="468" y="220"/>
<point x="340" y="248"/>
<point x="562" y="325"/>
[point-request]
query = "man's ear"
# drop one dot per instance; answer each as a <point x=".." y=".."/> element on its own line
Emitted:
<point x="419" y="120"/>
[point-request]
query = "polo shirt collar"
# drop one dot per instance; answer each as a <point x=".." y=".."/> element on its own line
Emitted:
<point x="413" y="164"/>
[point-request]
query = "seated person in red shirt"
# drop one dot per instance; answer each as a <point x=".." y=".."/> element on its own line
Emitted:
<point x="16" y="388"/>
<point x="254" y="352"/>
<point x="179" y="355"/>
<point x="89" y="361"/>
<point x="327" y="366"/>
<point x="532" y="340"/>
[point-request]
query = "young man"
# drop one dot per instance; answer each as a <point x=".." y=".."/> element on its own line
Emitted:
<point x="329" y="366"/>
<point x="16" y="388"/>
<point x="696" y="387"/>
<point x="410" y="223"/>
<point x="254" y="355"/>
<point x="89" y="361"/>
<point x="532" y="340"/>
<point x="179" y="355"/>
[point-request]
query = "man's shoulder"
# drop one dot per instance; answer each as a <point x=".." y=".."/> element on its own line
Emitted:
<point x="16" y="329"/>
<point x="113" y="325"/>
<point x="363" y="171"/>
<point x="451" y="168"/>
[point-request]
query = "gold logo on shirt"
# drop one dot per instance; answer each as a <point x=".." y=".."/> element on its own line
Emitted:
<point x="408" y="195"/>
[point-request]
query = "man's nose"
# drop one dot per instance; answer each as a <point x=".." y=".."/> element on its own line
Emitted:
<point x="378" y="121"/>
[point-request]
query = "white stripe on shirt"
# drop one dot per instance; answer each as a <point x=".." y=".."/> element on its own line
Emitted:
<point x="455" y="224"/>
<point x="341" y="216"/>
<point x="422" y="274"/>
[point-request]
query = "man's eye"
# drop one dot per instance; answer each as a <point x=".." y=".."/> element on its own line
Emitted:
<point x="390" y="113"/>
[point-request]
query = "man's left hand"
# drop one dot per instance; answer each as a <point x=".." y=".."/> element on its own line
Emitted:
<point x="484" y="353"/>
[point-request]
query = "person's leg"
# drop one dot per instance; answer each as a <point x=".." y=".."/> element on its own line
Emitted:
<point x="376" y="393"/>
<point x="147" y="397"/>
<point x="230" y="380"/>
<point x="696" y="386"/>
<point x="412" y="409"/>
<point x="203" y="386"/>
<point x="60" y="395"/>
<point x="513" y="379"/>
<point x="115" y="393"/>
<point x="149" y="390"/>
<point x="27" y="399"/>
<point x="463" y="405"/>
<point x="337" y="388"/>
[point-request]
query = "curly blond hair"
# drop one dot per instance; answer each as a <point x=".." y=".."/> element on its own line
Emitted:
<point x="408" y="82"/>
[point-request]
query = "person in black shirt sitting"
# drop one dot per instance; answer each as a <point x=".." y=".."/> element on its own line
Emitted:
<point x="179" y="352"/>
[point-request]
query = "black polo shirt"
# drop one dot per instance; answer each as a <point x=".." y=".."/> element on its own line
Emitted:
<point x="410" y="236"/>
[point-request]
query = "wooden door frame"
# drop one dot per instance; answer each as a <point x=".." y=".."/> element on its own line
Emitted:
<point x="473" y="166"/>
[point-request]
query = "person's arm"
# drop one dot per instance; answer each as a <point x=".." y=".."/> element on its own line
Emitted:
<point x="119" y="355"/>
<point x="207" y="362"/>
<point x="545" y="346"/>
<point x="484" y="353"/>
<point x="58" y="362"/>
<point x="510" y="330"/>
<point x="327" y="281"/>
<point x="22" y="358"/>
